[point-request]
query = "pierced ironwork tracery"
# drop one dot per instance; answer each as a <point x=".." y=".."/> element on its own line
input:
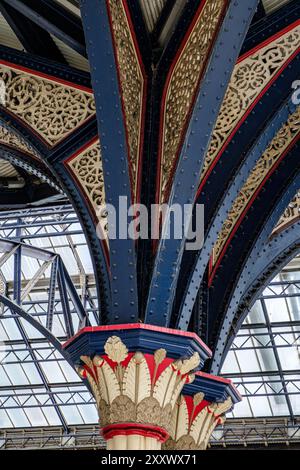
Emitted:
<point x="132" y="83"/>
<point x="290" y="215"/>
<point x="53" y="110"/>
<point x="283" y="139"/>
<point x="13" y="140"/>
<point x="250" y="77"/>
<point x="182" y="85"/>
<point x="88" y="171"/>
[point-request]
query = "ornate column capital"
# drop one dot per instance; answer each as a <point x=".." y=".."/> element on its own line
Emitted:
<point x="199" y="410"/>
<point x="193" y="422"/>
<point x="135" y="382"/>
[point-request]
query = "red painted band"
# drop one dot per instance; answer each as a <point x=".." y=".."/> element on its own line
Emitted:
<point x="244" y="212"/>
<point x="51" y="78"/>
<point x="129" y="429"/>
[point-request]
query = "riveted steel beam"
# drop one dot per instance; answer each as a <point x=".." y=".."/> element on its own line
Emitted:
<point x="112" y="134"/>
<point x="211" y="92"/>
<point x="253" y="261"/>
<point x="215" y="225"/>
<point x="276" y="254"/>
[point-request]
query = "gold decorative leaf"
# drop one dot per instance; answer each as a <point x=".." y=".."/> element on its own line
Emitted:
<point x="198" y="398"/>
<point x="98" y="361"/>
<point x="80" y="371"/>
<point x="116" y="349"/>
<point x="190" y="364"/>
<point x="223" y="407"/>
<point x="137" y="380"/>
<point x="160" y="356"/>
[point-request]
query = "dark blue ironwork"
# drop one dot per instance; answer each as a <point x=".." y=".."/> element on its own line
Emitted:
<point x="257" y="274"/>
<point x="215" y="389"/>
<point x="64" y="300"/>
<point x="95" y="18"/>
<point x="52" y="290"/>
<point x="91" y="342"/>
<point x="224" y="205"/>
<point x="34" y="39"/>
<point x="225" y="324"/>
<point x="184" y="188"/>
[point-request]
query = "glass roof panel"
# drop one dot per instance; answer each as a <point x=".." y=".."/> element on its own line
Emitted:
<point x="39" y="388"/>
<point x="270" y="379"/>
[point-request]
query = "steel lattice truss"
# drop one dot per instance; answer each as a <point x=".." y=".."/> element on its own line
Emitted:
<point x="39" y="387"/>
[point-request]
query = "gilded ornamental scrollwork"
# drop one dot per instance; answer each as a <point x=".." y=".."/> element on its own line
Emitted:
<point x="51" y="109"/>
<point x="290" y="215"/>
<point x="182" y="86"/>
<point x="250" y="76"/>
<point x="88" y="171"/>
<point x="289" y="131"/>
<point x="132" y="83"/>
<point x="11" y="139"/>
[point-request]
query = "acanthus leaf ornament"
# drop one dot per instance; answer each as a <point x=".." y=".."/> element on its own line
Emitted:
<point x="193" y="421"/>
<point x="127" y="388"/>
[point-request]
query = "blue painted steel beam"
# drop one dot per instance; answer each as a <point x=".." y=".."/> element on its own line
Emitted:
<point x="55" y="161"/>
<point x="64" y="300"/>
<point x="71" y="289"/>
<point x="112" y="133"/>
<point x="245" y="276"/>
<point x="203" y="255"/>
<point x="212" y="90"/>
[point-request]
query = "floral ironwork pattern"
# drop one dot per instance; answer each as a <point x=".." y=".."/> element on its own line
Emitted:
<point x="290" y="215"/>
<point x="284" y="137"/>
<point x="182" y="86"/>
<point x="88" y="171"/>
<point x="51" y="109"/>
<point x="132" y="83"/>
<point x="13" y="140"/>
<point x="250" y="76"/>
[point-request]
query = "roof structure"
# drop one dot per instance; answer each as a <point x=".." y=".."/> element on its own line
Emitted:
<point x="185" y="102"/>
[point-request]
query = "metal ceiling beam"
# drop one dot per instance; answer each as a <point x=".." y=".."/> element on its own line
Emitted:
<point x="256" y="275"/>
<point x="184" y="188"/>
<point x="34" y="39"/>
<point x="196" y="273"/>
<point x="53" y="18"/>
<point x="104" y="72"/>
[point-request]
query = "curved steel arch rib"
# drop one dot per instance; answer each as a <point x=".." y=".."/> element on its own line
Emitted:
<point x="226" y="306"/>
<point x="190" y="162"/>
<point x="55" y="150"/>
<point x="277" y="253"/>
<point x="220" y="214"/>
